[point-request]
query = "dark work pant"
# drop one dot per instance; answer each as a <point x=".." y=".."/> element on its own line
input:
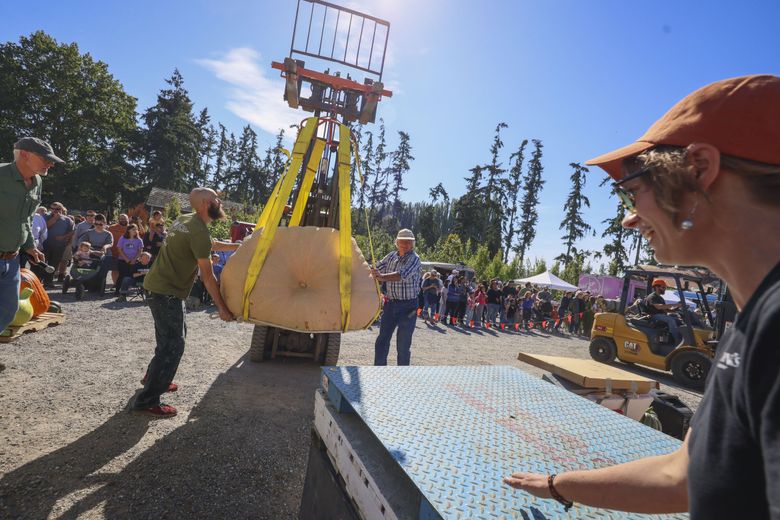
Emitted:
<point x="403" y="315"/>
<point x="124" y="271"/>
<point x="170" y="331"/>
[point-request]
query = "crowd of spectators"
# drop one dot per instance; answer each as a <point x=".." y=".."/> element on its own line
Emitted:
<point x="75" y="244"/>
<point x="456" y="300"/>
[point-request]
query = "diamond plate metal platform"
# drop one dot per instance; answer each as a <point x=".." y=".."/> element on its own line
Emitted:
<point x="456" y="431"/>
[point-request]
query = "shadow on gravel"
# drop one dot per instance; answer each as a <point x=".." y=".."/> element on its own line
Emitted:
<point x="241" y="454"/>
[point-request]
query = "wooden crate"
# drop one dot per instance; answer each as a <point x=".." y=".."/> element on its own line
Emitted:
<point x="40" y="322"/>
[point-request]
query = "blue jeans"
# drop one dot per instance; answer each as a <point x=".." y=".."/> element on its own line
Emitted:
<point x="431" y="302"/>
<point x="671" y="323"/>
<point x="403" y="315"/>
<point x="169" y="331"/>
<point x="9" y="291"/>
<point x="128" y="282"/>
<point x="492" y="310"/>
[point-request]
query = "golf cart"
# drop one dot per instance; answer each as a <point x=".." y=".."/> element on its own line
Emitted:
<point x="630" y="335"/>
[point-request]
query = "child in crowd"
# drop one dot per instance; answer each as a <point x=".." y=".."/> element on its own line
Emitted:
<point x="82" y="257"/>
<point x="157" y="218"/>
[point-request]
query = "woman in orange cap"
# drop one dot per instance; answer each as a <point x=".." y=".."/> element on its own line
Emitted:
<point x="703" y="187"/>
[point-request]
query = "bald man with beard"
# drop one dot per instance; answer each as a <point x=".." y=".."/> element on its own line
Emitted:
<point x="187" y="248"/>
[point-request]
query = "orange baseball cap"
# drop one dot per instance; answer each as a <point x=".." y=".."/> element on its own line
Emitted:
<point x="658" y="282"/>
<point x="739" y="116"/>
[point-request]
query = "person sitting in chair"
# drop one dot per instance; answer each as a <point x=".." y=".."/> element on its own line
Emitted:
<point x="657" y="307"/>
<point x="135" y="276"/>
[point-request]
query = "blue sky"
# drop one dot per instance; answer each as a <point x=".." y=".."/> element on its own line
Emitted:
<point x="583" y="76"/>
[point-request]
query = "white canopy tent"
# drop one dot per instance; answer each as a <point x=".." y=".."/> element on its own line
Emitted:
<point x="547" y="279"/>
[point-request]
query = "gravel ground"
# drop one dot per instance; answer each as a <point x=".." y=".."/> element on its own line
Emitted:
<point x="70" y="449"/>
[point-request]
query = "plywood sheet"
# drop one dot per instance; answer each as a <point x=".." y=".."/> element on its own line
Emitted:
<point x="589" y="373"/>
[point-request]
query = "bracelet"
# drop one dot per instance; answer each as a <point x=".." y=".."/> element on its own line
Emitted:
<point x="557" y="496"/>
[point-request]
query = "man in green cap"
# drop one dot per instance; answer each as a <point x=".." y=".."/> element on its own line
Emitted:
<point x="20" y="196"/>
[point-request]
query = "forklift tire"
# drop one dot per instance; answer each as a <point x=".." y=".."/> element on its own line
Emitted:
<point x="257" y="350"/>
<point x="603" y="349"/>
<point x="332" y="349"/>
<point x="691" y="368"/>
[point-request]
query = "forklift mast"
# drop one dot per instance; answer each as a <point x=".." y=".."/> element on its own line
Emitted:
<point x="348" y="41"/>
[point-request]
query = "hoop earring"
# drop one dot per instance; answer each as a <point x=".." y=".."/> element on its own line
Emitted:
<point x="687" y="224"/>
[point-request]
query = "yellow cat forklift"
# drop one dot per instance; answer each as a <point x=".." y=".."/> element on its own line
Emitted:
<point x="632" y="337"/>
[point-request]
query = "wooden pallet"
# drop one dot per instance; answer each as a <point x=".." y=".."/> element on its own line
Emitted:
<point x="40" y="322"/>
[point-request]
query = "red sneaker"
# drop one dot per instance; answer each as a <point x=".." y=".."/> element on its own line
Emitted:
<point x="171" y="387"/>
<point x="161" y="410"/>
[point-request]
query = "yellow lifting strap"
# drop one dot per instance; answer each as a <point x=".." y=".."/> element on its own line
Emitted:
<point x="345" y="226"/>
<point x="308" y="179"/>
<point x="269" y="219"/>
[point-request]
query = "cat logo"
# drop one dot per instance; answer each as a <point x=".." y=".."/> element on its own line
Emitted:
<point x="631" y="347"/>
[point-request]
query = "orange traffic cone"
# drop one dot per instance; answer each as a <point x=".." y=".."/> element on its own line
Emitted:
<point x="471" y="323"/>
<point x="517" y="327"/>
<point x="419" y="312"/>
<point x="436" y="316"/>
<point x="487" y="324"/>
<point x="453" y="320"/>
<point x="502" y="326"/>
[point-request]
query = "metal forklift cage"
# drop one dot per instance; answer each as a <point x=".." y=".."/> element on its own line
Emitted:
<point x="352" y="19"/>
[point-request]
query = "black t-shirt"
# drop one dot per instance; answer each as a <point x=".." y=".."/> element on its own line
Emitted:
<point x="494" y="296"/>
<point x="734" y="447"/>
<point x="651" y="299"/>
<point x="508" y="291"/>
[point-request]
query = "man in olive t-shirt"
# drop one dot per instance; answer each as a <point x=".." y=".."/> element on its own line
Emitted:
<point x="187" y="247"/>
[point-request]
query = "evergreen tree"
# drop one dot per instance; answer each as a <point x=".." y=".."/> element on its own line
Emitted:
<point x="220" y="158"/>
<point x="532" y="187"/>
<point x="615" y="249"/>
<point x="494" y="171"/>
<point x="249" y="183"/>
<point x="367" y="163"/>
<point x="432" y="220"/>
<point x="470" y="209"/>
<point x="171" y="137"/>
<point x="573" y="224"/>
<point x="208" y="141"/>
<point x="377" y="200"/>
<point x="357" y="137"/>
<point x="494" y="196"/>
<point x="278" y="162"/>
<point x="512" y="189"/>
<point x="399" y="166"/>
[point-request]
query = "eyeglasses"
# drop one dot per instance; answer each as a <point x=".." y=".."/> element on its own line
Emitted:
<point x="100" y="223"/>
<point x="628" y="197"/>
<point x="55" y="209"/>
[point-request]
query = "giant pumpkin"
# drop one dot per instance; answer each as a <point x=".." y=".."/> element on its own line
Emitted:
<point x="298" y="286"/>
<point x="40" y="298"/>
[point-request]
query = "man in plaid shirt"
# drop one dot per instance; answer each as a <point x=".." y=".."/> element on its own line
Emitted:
<point x="401" y="272"/>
